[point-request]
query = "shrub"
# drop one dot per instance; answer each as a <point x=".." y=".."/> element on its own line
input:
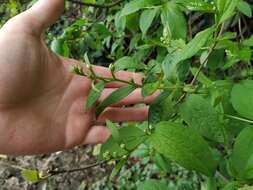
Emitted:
<point x="197" y="53"/>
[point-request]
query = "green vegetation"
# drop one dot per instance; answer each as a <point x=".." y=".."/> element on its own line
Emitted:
<point x="198" y="53"/>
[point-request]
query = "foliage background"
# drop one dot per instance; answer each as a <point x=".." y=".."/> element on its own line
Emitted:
<point x="96" y="178"/>
<point x="107" y="40"/>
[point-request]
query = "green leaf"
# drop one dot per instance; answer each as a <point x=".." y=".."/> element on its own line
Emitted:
<point x="132" y="137"/>
<point x="161" y="109"/>
<point x="114" y="130"/>
<point x="117" y="168"/>
<point x="197" y="5"/>
<point x="248" y="42"/>
<point x="150" y="88"/>
<point x="226" y="9"/>
<point x="199" y="114"/>
<point x="237" y="53"/>
<point x="173" y="21"/>
<point x="245" y="8"/>
<point x="60" y="47"/>
<point x="201" y="77"/>
<point x="31" y="175"/>
<point x="129" y="139"/>
<point x="152" y="185"/>
<point x="246" y="188"/>
<point x="114" y="97"/>
<point x="94" y="94"/>
<point x="231" y="186"/>
<point x="171" y="62"/>
<point x="135" y="5"/>
<point x="216" y="59"/>
<point x="163" y="163"/>
<point x="146" y="20"/>
<point x="184" y="146"/>
<point x="100" y="31"/>
<point x="242" y="98"/>
<point x="128" y="63"/>
<point x="194" y="45"/>
<point x="120" y="22"/>
<point x="241" y="159"/>
<point x="111" y="149"/>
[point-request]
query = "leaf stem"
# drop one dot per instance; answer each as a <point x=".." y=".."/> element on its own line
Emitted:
<point x="203" y="64"/>
<point x="108" y="79"/>
<point x="238" y="118"/>
<point x="218" y="174"/>
<point x="208" y="55"/>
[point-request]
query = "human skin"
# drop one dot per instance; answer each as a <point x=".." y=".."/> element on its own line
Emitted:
<point x="41" y="102"/>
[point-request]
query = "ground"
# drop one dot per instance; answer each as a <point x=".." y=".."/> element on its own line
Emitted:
<point x="10" y="178"/>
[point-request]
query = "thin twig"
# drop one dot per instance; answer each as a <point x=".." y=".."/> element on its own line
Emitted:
<point x="207" y="57"/>
<point x="238" y="118"/>
<point x="106" y="79"/>
<point x="218" y="174"/>
<point x="106" y="6"/>
<point x="202" y="64"/>
<point x="57" y="172"/>
<point x="240" y="29"/>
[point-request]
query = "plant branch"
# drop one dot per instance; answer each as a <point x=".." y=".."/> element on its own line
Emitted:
<point x="203" y="64"/>
<point x="239" y="118"/>
<point x="207" y="57"/>
<point x="218" y="174"/>
<point x="106" y="6"/>
<point x="58" y="172"/>
<point x="107" y="79"/>
<point x="240" y="29"/>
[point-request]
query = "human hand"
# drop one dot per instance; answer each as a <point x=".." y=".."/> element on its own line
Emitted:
<point x="41" y="102"/>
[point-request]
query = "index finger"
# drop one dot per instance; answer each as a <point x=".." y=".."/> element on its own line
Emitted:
<point x="121" y="75"/>
<point x="106" y="73"/>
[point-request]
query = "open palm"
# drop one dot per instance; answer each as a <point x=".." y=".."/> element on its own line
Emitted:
<point x="41" y="102"/>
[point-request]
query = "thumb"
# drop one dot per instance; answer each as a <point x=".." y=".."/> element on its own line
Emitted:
<point x="44" y="13"/>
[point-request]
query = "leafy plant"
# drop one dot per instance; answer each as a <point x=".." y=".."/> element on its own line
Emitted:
<point x="198" y="54"/>
<point x="190" y="122"/>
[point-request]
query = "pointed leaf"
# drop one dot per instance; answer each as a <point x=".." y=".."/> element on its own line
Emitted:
<point x="117" y="168"/>
<point x="114" y="130"/>
<point x="242" y="98"/>
<point x="60" y="47"/>
<point x="31" y="175"/>
<point x="242" y="156"/>
<point x="245" y="8"/>
<point x="197" y="5"/>
<point x="130" y="138"/>
<point x="94" y="94"/>
<point x="114" y="97"/>
<point x="194" y="45"/>
<point x="184" y="146"/>
<point x="161" y="109"/>
<point x="127" y="63"/>
<point x="135" y="5"/>
<point x="199" y="114"/>
<point x="227" y="9"/>
<point x="173" y="21"/>
<point x="146" y="19"/>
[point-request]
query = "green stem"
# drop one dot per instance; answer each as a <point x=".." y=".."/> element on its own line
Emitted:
<point x="108" y="79"/>
<point x="208" y="55"/>
<point x="218" y="174"/>
<point x="239" y="118"/>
